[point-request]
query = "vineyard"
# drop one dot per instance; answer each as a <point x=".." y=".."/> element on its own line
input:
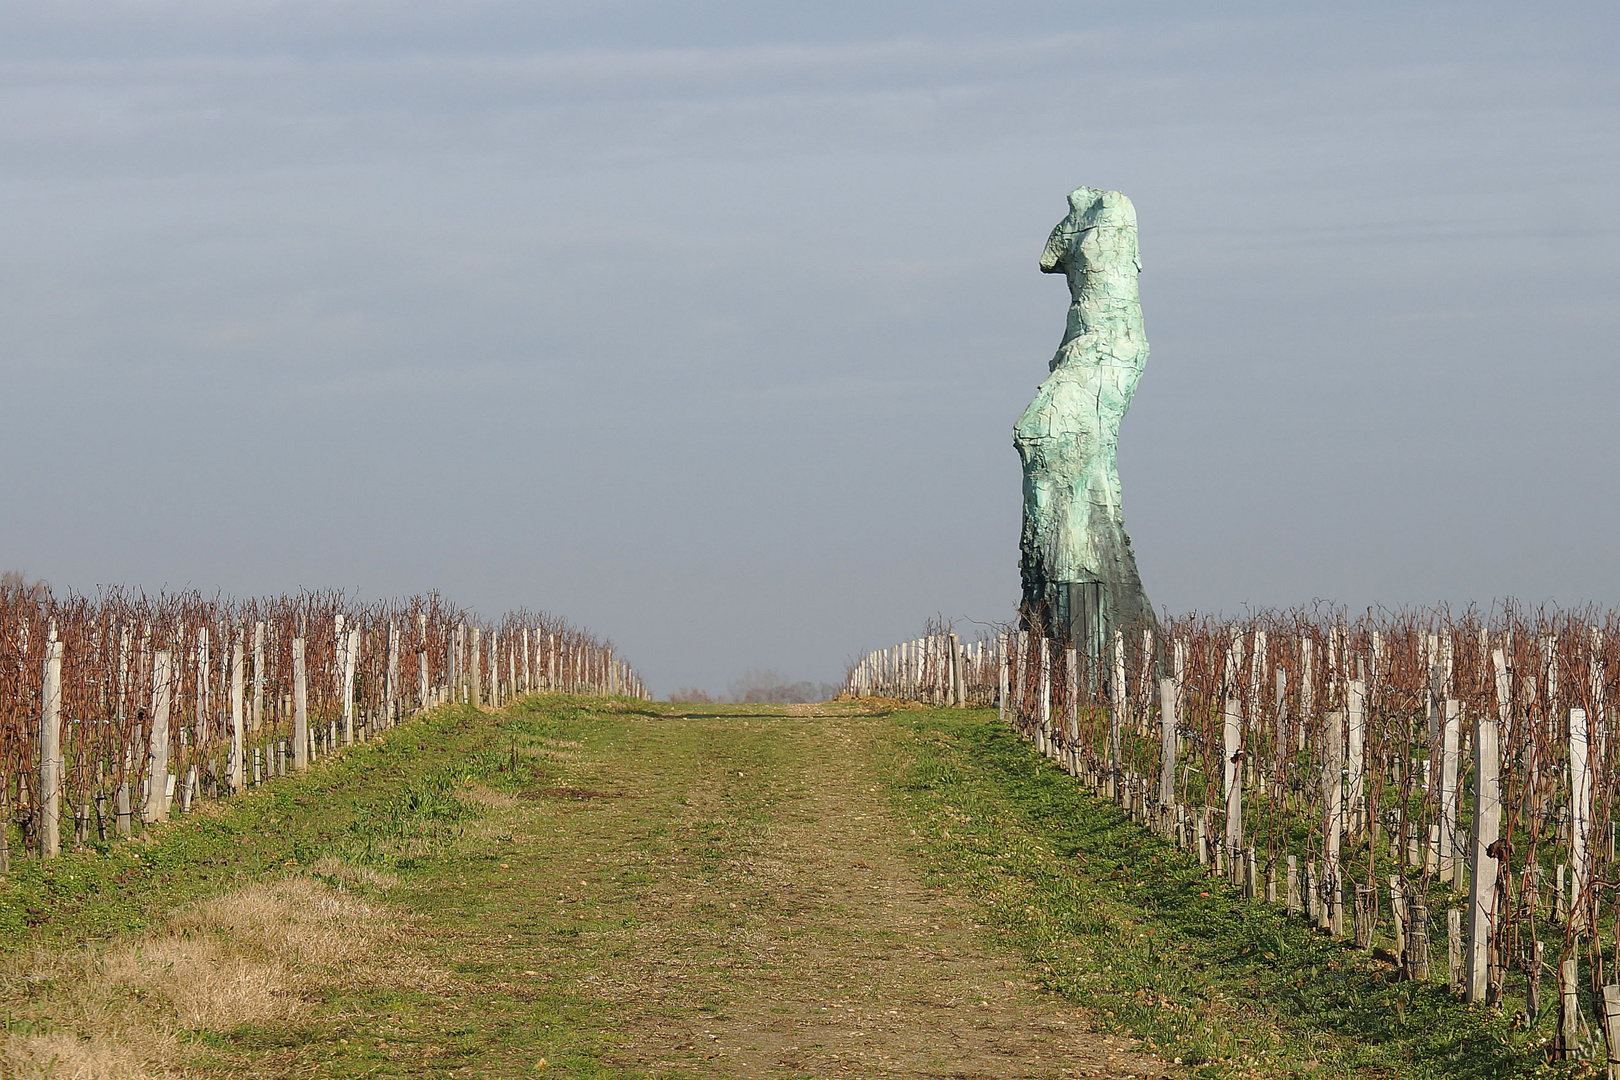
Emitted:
<point x="1438" y="789"/>
<point x="123" y="709"/>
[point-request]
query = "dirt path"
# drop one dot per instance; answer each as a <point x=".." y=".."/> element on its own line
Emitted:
<point x="737" y="891"/>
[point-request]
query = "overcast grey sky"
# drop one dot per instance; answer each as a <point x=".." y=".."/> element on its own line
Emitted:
<point x="706" y="324"/>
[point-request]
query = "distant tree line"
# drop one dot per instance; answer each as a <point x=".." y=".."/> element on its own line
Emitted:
<point x="760" y="687"/>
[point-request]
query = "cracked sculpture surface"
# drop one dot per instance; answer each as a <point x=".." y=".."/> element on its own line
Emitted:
<point x="1079" y="574"/>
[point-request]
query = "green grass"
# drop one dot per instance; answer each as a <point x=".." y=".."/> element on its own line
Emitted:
<point x="1118" y="920"/>
<point x="381" y="803"/>
<point x="1111" y="917"/>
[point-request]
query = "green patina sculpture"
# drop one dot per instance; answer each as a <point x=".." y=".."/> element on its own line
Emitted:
<point x="1079" y="574"/>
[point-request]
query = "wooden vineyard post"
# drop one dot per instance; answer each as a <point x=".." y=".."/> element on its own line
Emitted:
<point x="1043" y="705"/>
<point x="1487" y="822"/>
<point x="1119" y="703"/>
<point x="300" y="707"/>
<point x="1397" y="910"/>
<point x="1356" y="715"/>
<point x="1569" y="1010"/>
<point x="121" y="799"/>
<point x="234" y="769"/>
<point x="451" y="684"/>
<point x="1448" y="788"/>
<point x="1532" y="991"/>
<point x="1071" y="708"/>
<point x="1366" y="900"/>
<point x="1417" y="937"/>
<point x="391" y="692"/>
<point x="156" y="805"/>
<point x="203" y="728"/>
<point x="1332" y="918"/>
<point x="1454" y="950"/>
<point x="953" y="694"/>
<point x="475" y="668"/>
<point x="1232" y="772"/>
<point x="1580" y="825"/>
<point x="1610" y="998"/>
<point x="527" y="684"/>
<point x="351" y="657"/>
<point x="50" y="753"/>
<point x="495" y="671"/>
<point x="1001" y="684"/>
<point x="1167" y="750"/>
<point x="1294" y="905"/>
<point x="256" y="718"/>
<point x="421" y="662"/>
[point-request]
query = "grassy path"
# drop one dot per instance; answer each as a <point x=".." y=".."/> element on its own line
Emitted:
<point x="669" y="893"/>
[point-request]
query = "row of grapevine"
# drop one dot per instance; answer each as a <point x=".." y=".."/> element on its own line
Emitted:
<point x="1376" y="775"/>
<point x="121" y="708"/>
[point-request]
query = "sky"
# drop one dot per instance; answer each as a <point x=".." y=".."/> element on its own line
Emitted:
<point x="705" y="325"/>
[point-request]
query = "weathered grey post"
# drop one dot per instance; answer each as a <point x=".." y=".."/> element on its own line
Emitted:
<point x="300" y="707"/>
<point x="1532" y="989"/>
<point x="1333" y="825"/>
<point x="1044" y="704"/>
<point x="527" y="686"/>
<point x="1580" y="805"/>
<point x="1118" y="688"/>
<point x="121" y="799"/>
<point x="1002" y="679"/>
<point x="234" y="772"/>
<point x="476" y="667"/>
<point x="257" y="717"/>
<point x="50" y="752"/>
<point x="1366" y="901"/>
<point x="1611" y="1029"/>
<point x="1021" y="686"/>
<point x="421" y="662"/>
<point x="1448" y="786"/>
<point x="1168" y="722"/>
<point x="1397" y="910"/>
<point x="1071" y="687"/>
<point x="1569" y="1009"/>
<point x="1487" y="822"/>
<point x="351" y="657"/>
<point x="1417" y="937"/>
<point x="156" y="806"/>
<point x="391" y="691"/>
<point x="495" y="670"/>
<point x="1232" y="732"/>
<point x="953" y="698"/>
<point x="1116" y="721"/>
<point x="1356" y="702"/>
<point x="204" y="728"/>
<point x="452" y="686"/>
<point x="1454" y="950"/>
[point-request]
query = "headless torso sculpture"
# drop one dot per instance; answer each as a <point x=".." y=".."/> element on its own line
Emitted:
<point x="1079" y="575"/>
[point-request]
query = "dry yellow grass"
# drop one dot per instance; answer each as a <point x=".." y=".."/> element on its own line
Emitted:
<point x="487" y="796"/>
<point x="252" y="956"/>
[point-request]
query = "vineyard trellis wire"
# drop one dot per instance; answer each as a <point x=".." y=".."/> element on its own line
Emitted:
<point x="1377" y="775"/>
<point x="122" y="708"/>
